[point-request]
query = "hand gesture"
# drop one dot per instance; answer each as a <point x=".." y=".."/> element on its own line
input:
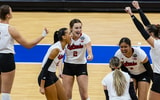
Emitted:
<point x="135" y="4"/>
<point x="128" y="10"/>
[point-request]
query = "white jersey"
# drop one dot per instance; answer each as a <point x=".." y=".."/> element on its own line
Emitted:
<point x="57" y="59"/>
<point x="108" y="82"/>
<point x="155" y="56"/>
<point x="6" y="41"/>
<point x="76" y="52"/>
<point x="134" y="63"/>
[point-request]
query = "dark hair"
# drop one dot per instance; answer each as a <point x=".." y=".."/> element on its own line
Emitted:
<point x="58" y="34"/>
<point x="155" y="29"/>
<point x="4" y="10"/>
<point x="73" y="21"/>
<point x="115" y="62"/>
<point x="126" y="40"/>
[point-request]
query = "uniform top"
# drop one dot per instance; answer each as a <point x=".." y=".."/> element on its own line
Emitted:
<point x="108" y="82"/>
<point x="6" y="40"/>
<point x="155" y="56"/>
<point x="57" y="59"/>
<point x="133" y="64"/>
<point x="76" y="52"/>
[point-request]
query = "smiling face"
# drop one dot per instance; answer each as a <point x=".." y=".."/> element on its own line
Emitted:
<point x="125" y="49"/>
<point x="76" y="29"/>
<point x="125" y="46"/>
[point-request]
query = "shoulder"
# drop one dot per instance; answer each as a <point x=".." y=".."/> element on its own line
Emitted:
<point x="11" y="27"/>
<point x="55" y="46"/>
<point x="12" y="30"/>
<point x="108" y="76"/>
<point x="85" y="35"/>
<point x="139" y="50"/>
<point x="118" y="53"/>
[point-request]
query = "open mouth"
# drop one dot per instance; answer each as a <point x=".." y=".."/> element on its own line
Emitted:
<point x="78" y="33"/>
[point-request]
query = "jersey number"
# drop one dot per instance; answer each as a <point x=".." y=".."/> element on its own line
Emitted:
<point x="75" y="53"/>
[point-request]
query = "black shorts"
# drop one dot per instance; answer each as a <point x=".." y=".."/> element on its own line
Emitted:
<point x="141" y="77"/>
<point x="51" y="78"/>
<point x="156" y="83"/>
<point x="75" y="69"/>
<point x="7" y="62"/>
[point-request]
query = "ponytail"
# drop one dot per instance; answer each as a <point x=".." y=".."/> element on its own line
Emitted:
<point x="119" y="82"/>
<point x="119" y="79"/>
<point x="56" y="36"/>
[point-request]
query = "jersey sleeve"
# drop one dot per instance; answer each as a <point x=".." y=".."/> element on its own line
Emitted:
<point x="156" y="43"/>
<point x="117" y="53"/>
<point x="142" y="54"/>
<point x="104" y="81"/>
<point x="87" y="39"/>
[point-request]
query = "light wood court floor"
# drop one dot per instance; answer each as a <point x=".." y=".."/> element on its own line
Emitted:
<point x="103" y="28"/>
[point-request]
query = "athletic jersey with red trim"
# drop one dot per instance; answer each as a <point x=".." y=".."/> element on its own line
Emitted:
<point x="108" y="82"/>
<point x="57" y="59"/>
<point x="76" y="52"/>
<point x="133" y="63"/>
<point x="155" y="56"/>
<point x="6" y="40"/>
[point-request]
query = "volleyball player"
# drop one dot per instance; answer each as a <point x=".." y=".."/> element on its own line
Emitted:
<point x="135" y="62"/>
<point x="8" y="34"/>
<point x="75" y="63"/>
<point x="118" y="85"/>
<point x="152" y="36"/>
<point x="49" y="83"/>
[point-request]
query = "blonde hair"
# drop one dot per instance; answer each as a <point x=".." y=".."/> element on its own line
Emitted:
<point x="119" y="79"/>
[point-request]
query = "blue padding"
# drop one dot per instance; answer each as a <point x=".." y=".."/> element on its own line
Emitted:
<point x="102" y="54"/>
<point x="35" y="54"/>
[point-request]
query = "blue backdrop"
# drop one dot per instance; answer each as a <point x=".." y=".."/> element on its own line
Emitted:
<point x="102" y="54"/>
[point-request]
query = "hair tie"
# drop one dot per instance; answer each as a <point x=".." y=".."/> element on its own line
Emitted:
<point x="116" y="67"/>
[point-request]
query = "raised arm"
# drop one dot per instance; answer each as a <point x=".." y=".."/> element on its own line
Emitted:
<point x="140" y="27"/>
<point x="21" y="40"/>
<point x="144" y="18"/>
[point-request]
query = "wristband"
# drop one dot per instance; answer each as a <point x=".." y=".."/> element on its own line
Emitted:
<point x="44" y="33"/>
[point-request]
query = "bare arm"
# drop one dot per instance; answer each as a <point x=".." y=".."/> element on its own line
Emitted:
<point x="21" y="40"/>
<point x="52" y="55"/>
<point x="89" y="51"/>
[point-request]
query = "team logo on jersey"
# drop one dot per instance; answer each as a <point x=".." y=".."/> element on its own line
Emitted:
<point x="82" y="38"/>
<point x="135" y="57"/>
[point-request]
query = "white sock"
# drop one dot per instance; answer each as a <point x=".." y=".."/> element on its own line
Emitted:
<point x="6" y="96"/>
